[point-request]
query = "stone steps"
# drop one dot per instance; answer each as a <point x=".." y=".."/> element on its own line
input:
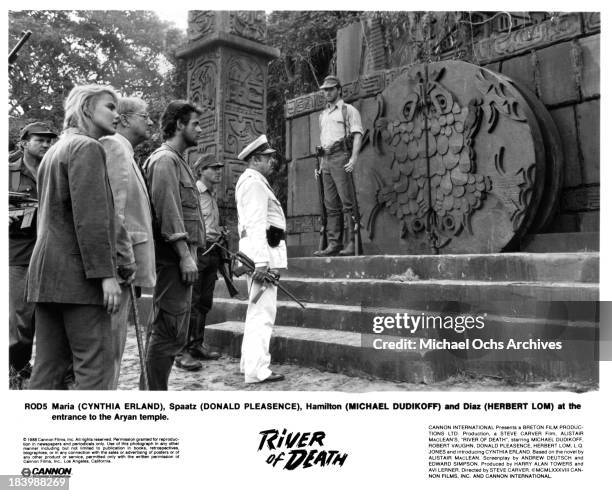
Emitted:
<point x="361" y="320"/>
<point x="353" y="353"/>
<point x="537" y="297"/>
<point x="329" y="350"/>
<point x="514" y="299"/>
<point x="545" y="267"/>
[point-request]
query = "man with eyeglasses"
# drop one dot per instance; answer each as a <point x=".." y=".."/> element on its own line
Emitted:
<point x="135" y="249"/>
<point x="36" y="139"/>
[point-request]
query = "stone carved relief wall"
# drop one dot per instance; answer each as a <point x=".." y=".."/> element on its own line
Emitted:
<point x="497" y="47"/>
<point x="202" y="88"/>
<point x="513" y="188"/>
<point x="243" y="112"/>
<point x="226" y="77"/>
<point x="560" y="28"/>
<point x="200" y="23"/>
<point x="248" y="24"/>
<point x="592" y="21"/>
<point x="454" y="161"/>
<point x="457" y="165"/>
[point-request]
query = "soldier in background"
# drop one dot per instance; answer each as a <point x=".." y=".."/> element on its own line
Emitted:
<point x="36" y="139"/>
<point x="208" y="173"/>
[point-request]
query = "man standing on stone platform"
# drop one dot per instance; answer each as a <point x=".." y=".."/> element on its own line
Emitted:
<point x="178" y="229"/>
<point x="261" y="227"/>
<point x="36" y="139"/>
<point x="207" y="170"/>
<point x="135" y="247"/>
<point x="339" y="123"/>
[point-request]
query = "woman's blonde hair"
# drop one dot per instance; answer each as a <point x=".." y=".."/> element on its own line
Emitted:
<point x="80" y="102"/>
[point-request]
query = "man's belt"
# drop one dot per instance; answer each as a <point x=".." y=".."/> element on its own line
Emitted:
<point x="335" y="147"/>
<point x="274" y="235"/>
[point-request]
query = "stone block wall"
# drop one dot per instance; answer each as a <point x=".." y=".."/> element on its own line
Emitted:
<point x="566" y="78"/>
<point x="558" y="60"/>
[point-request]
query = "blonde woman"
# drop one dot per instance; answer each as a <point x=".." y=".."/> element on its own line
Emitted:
<point x="72" y="276"/>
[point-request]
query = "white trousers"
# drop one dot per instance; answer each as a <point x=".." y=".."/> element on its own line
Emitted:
<point x="260" y="316"/>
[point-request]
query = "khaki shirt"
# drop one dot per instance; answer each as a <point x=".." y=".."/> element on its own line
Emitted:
<point x="332" y="125"/>
<point x="174" y="198"/>
<point x="210" y="211"/>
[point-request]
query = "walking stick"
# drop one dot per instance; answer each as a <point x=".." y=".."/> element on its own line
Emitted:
<point x="141" y="347"/>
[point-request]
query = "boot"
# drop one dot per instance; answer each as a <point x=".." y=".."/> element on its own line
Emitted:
<point x="334" y="236"/>
<point x="332" y="249"/>
<point x="349" y="250"/>
<point x="201" y="352"/>
<point x="187" y="362"/>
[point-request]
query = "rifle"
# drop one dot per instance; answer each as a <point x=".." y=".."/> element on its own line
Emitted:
<point x="355" y="215"/>
<point x="225" y="268"/>
<point x="13" y="55"/>
<point x="246" y="266"/>
<point x="22" y="205"/>
<point x="323" y="214"/>
<point x="141" y="346"/>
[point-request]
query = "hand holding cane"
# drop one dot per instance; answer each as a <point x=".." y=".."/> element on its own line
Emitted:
<point x="141" y="347"/>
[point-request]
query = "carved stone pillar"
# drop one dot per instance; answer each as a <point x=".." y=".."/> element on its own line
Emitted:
<point x="227" y="76"/>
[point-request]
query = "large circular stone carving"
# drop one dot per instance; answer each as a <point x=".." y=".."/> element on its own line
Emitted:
<point x="553" y="149"/>
<point x="455" y="163"/>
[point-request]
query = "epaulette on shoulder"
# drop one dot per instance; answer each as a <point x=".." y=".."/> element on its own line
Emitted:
<point x="15" y="166"/>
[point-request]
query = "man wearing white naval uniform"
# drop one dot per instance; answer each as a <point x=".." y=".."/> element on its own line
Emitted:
<point x="261" y="227"/>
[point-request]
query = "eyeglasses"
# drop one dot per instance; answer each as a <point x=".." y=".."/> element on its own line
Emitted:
<point x="146" y="117"/>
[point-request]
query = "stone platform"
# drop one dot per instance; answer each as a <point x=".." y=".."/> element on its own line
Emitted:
<point x="525" y="296"/>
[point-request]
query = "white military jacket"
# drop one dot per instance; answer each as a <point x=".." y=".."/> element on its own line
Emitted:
<point x="258" y="209"/>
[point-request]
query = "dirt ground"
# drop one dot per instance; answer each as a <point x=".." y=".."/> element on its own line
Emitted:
<point x="224" y="375"/>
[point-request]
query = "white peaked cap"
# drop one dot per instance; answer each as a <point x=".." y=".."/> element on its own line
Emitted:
<point x="259" y="146"/>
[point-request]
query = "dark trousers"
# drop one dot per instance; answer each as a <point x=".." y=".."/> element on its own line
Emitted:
<point x="338" y="194"/>
<point x="172" y="300"/>
<point x="21" y="318"/>
<point x="202" y="298"/>
<point x="77" y="336"/>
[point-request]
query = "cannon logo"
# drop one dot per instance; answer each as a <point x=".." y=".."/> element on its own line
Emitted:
<point x="47" y="471"/>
